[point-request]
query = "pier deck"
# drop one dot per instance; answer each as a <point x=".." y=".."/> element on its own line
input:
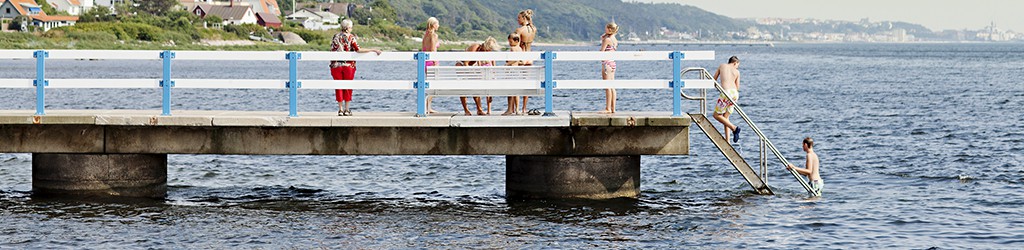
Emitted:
<point x="325" y="133"/>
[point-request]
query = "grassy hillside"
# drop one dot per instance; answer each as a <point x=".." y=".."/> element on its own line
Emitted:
<point x="580" y="20"/>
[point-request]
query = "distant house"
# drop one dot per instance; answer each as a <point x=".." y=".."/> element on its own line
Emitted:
<point x="264" y="6"/>
<point x="48" y="22"/>
<point x="231" y="14"/>
<point x="108" y="3"/>
<point x="258" y="6"/>
<point x="340" y="9"/>
<point x="315" y="19"/>
<point x="188" y="5"/>
<point x="73" y="7"/>
<point x="29" y="13"/>
<point x="268" y="20"/>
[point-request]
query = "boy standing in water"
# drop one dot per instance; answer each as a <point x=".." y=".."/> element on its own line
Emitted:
<point x="729" y="76"/>
<point x="812" y="169"/>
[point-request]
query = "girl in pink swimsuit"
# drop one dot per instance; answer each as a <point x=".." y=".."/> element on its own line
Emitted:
<point x="609" y="43"/>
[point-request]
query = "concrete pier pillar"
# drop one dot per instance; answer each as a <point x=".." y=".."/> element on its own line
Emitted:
<point x="124" y="175"/>
<point x="572" y="177"/>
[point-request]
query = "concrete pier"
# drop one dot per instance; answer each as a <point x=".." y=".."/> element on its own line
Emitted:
<point x="124" y="152"/>
<point x="572" y="177"/>
<point x="127" y="175"/>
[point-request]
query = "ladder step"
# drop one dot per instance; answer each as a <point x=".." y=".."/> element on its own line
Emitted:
<point x="732" y="154"/>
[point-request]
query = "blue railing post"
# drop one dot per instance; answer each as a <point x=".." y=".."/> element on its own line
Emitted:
<point x="549" y="83"/>
<point x="166" y="83"/>
<point x="293" y="83"/>
<point x="421" y="83"/>
<point x="677" y="83"/>
<point x="40" y="83"/>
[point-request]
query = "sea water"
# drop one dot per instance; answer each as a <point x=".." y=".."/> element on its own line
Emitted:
<point x="921" y="146"/>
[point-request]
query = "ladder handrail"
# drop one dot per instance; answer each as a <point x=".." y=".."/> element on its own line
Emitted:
<point x="758" y="132"/>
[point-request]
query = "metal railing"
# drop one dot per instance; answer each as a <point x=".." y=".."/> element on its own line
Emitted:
<point x="764" y="142"/>
<point x="702" y="97"/>
<point x="167" y="83"/>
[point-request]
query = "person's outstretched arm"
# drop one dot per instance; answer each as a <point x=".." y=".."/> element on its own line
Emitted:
<point x="361" y="50"/>
<point x="802" y="171"/>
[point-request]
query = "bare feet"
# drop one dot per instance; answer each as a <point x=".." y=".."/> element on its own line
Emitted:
<point x="468" y="113"/>
<point x="510" y="112"/>
<point x="431" y="111"/>
<point x="480" y="112"/>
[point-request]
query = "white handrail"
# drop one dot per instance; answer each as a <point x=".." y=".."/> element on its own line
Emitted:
<point x="16" y="83"/>
<point x="353" y="84"/>
<point x="228" y="84"/>
<point x="493" y="79"/>
<point x="16" y="54"/>
<point x="345" y="56"/>
<point x="484" y="56"/>
<point x="631" y="55"/>
<point x="357" y="84"/>
<point x="630" y="84"/>
<point x="104" y="54"/>
<point x="352" y="56"/>
<point x="103" y="83"/>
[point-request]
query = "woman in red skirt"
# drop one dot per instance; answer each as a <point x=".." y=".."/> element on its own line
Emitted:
<point x="345" y="41"/>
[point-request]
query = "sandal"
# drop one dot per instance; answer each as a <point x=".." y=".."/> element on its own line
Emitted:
<point x="534" y="112"/>
<point x="347" y="113"/>
<point x="341" y="113"/>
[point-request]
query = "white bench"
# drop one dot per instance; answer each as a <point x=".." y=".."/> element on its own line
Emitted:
<point x="485" y="80"/>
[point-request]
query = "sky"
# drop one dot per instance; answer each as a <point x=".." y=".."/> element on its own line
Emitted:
<point x="934" y="14"/>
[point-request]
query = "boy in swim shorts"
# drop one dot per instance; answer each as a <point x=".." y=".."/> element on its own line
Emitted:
<point x="812" y="171"/>
<point x="728" y="75"/>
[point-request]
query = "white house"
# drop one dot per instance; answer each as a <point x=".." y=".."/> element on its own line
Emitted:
<point x="48" y="22"/>
<point x="73" y="7"/>
<point x="108" y="3"/>
<point x="315" y="20"/>
<point x="30" y="13"/>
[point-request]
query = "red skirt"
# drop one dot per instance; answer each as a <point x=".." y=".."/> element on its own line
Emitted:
<point x="343" y="73"/>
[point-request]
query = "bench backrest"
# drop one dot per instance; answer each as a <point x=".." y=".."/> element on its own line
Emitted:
<point x="499" y="77"/>
<point x="485" y="73"/>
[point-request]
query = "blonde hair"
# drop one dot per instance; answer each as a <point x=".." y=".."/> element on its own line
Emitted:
<point x="528" y="15"/>
<point x="491" y="44"/>
<point x="346" y="25"/>
<point x="432" y="23"/>
<point x="614" y="27"/>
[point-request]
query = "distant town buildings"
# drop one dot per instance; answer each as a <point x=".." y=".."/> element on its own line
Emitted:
<point x="813" y="30"/>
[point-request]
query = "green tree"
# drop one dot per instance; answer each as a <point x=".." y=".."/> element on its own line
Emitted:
<point x="97" y="14"/>
<point x="155" y="7"/>
<point x="49" y="10"/>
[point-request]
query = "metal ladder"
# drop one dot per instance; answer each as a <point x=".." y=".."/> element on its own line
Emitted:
<point x="759" y="183"/>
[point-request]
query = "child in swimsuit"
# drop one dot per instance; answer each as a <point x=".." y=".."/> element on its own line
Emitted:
<point x="813" y="169"/>
<point x="513" y="43"/>
<point x="489" y="45"/>
<point x="609" y="43"/>
<point x="430" y="44"/>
